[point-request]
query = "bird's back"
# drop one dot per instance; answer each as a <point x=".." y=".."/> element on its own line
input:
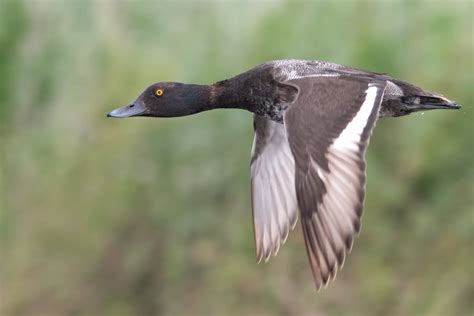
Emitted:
<point x="400" y="97"/>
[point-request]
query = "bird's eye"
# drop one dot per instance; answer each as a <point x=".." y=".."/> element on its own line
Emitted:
<point x="159" y="92"/>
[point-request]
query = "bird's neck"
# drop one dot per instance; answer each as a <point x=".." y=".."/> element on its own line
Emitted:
<point x="229" y="94"/>
<point x="239" y="93"/>
<point x="195" y="98"/>
<point x="199" y="98"/>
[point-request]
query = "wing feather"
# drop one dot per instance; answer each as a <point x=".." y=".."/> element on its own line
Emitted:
<point x="274" y="203"/>
<point x="328" y="128"/>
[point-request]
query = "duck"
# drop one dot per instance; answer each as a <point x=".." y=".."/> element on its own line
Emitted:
<point x="312" y="125"/>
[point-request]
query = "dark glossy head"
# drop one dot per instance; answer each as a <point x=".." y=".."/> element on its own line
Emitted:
<point x="166" y="99"/>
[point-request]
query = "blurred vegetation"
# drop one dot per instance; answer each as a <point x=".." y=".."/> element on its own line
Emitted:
<point x="152" y="216"/>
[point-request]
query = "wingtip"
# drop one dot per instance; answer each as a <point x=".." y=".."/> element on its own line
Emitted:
<point x="268" y="255"/>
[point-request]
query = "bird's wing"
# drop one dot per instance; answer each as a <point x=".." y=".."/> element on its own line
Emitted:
<point x="328" y="128"/>
<point x="274" y="203"/>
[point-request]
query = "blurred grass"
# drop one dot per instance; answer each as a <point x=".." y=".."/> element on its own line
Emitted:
<point x="152" y="216"/>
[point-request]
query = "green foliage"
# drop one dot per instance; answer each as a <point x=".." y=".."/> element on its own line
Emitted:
<point x="152" y="216"/>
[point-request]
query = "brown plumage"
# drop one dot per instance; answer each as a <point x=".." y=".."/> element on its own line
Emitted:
<point x="313" y="121"/>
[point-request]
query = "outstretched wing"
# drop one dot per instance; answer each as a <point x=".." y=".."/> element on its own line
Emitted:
<point x="328" y="128"/>
<point x="273" y="187"/>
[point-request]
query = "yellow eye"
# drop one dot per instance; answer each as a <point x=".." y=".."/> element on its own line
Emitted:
<point x="159" y="92"/>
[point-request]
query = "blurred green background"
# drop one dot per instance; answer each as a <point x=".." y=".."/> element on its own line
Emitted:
<point x="152" y="216"/>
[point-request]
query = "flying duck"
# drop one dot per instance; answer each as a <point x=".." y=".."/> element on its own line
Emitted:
<point x="312" y="123"/>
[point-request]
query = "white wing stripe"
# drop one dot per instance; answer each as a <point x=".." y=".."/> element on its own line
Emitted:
<point x="351" y="135"/>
